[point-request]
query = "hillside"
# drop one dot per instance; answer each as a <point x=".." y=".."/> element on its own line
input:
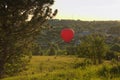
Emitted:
<point x="109" y="29"/>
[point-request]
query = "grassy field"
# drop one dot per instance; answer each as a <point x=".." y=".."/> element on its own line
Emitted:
<point x="66" y="68"/>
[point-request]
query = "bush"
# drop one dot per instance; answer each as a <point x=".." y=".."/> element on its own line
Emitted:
<point x="110" y="55"/>
<point x="71" y="50"/>
<point x="51" y="51"/>
<point x="109" y="71"/>
<point x="82" y="64"/>
<point x="115" y="70"/>
<point x="104" y="71"/>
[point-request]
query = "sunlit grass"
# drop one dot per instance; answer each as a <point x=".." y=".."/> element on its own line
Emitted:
<point x="61" y="68"/>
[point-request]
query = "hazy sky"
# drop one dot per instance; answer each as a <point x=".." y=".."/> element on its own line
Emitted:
<point x="88" y="9"/>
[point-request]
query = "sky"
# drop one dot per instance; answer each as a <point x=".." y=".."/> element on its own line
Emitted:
<point x="88" y="10"/>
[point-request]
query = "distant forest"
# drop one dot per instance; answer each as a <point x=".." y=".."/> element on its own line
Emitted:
<point x="51" y="36"/>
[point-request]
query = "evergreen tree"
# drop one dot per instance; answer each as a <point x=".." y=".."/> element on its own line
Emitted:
<point x="20" y="21"/>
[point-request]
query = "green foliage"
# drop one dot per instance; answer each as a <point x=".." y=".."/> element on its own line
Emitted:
<point x="114" y="30"/>
<point x="81" y="28"/>
<point x="51" y="51"/>
<point x="115" y="47"/>
<point x="109" y="71"/>
<point x="62" y="68"/>
<point x="83" y="64"/>
<point x="71" y="50"/>
<point x="18" y="31"/>
<point x="111" y="55"/>
<point x="93" y="47"/>
<point x="37" y="49"/>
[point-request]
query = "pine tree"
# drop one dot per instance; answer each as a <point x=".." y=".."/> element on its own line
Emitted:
<point x="20" y="22"/>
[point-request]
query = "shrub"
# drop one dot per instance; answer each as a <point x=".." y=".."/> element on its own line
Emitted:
<point x="109" y="71"/>
<point x="82" y="64"/>
<point x="110" y="55"/>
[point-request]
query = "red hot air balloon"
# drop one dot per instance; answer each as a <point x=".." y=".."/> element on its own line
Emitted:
<point x="67" y="34"/>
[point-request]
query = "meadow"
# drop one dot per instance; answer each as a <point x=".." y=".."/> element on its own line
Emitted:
<point x="68" y="68"/>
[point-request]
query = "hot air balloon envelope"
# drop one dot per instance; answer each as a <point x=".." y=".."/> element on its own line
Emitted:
<point x="67" y="34"/>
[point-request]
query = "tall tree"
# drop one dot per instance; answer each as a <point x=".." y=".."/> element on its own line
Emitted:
<point x="93" y="47"/>
<point x="20" y="21"/>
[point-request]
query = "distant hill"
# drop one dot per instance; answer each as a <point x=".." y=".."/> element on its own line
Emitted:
<point x="81" y="28"/>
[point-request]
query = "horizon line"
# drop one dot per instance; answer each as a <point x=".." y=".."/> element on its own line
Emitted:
<point x="82" y="20"/>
